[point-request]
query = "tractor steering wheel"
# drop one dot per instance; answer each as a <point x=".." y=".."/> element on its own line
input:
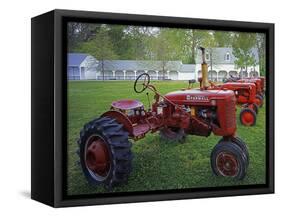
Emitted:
<point x="141" y="83"/>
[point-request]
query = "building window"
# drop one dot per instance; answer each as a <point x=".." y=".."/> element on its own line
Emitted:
<point x="227" y="57"/>
<point x="207" y="56"/>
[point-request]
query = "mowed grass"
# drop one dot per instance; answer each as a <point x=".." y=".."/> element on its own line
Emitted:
<point x="157" y="164"/>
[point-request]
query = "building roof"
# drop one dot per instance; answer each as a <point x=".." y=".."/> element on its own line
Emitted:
<point x="75" y="59"/>
<point x="187" y="68"/>
<point x="139" y="65"/>
<point x="219" y="55"/>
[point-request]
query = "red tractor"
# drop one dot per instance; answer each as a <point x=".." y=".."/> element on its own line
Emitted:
<point x="259" y="82"/>
<point x="246" y="97"/>
<point x="105" y="142"/>
<point x="260" y="86"/>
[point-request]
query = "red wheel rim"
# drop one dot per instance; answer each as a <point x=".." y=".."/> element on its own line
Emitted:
<point x="227" y="164"/>
<point x="247" y="118"/>
<point x="97" y="158"/>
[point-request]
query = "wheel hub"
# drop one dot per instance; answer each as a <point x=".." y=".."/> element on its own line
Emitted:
<point x="247" y="118"/>
<point x="227" y="164"/>
<point x="97" y="157"/>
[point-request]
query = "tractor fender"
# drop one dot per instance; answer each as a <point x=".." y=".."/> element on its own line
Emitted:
<point x="121" y="118"/>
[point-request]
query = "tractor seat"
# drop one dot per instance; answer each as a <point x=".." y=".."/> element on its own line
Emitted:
<point x="126" y="104"/>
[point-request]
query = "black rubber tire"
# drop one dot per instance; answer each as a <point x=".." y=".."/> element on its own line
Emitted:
<point x="244" y="110"/>
<point x="256" y="108"/>
<point x="119" y="147"/>
<point x="261" y="95"/>
<point x="261" y="99"/>
<point x="174" y="135"/>
<point x="233" y="149"/>
<point x="238" y="141"/>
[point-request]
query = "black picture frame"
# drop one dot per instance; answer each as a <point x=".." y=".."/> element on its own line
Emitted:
<point x="49" y="114"/>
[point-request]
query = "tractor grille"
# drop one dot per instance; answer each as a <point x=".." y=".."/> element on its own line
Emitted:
<point x="230" y="114"/>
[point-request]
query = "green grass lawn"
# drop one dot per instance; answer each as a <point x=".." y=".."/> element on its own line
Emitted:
<point x="157" y="164"/>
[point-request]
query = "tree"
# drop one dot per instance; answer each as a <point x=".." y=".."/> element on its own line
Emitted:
<point x="242" y="49"/>
<point x="101" y="47"/>
<point x="164" y="48"/>
<point x="261" y="51"/>
<point x="194" y="39"/>
<point x="222" y="38"/>
<point x="79" y="33"/>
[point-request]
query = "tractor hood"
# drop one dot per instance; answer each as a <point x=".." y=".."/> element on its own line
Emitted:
<point x="235" y="85"/>
<point x="197" y="95"/>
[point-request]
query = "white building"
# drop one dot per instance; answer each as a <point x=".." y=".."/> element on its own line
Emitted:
<point x="130" y="69"/>
<point x="86" y="67"/>
<point x="81" y="66"/>
<point x="221" y="64"/>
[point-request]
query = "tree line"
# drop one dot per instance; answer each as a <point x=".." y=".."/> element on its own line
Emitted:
<point x="113" y="42"/>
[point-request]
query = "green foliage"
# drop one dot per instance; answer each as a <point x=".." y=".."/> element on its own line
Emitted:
<point x="152" y="43"/>
<point x="196" y="38"/>
<point x="157" y="164"/>
<point x="101" y="46"/>
<point x="261" y="51"/>
<point x="242" y="49"/>
<point x="165" y="47"/>
<point x="222" y="38"/>
<point x="79" y="33"/>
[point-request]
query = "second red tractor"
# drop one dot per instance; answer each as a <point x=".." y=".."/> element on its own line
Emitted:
<point x="259" y="83"/>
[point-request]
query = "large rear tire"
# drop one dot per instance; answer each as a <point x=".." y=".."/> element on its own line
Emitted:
<point x="105" y="152"/>
<point x="228" y="160"/>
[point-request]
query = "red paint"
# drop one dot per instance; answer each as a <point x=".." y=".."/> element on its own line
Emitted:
<point x="255" y="81"/>
<point x="247" y="118"/>
<point x="126" y="104"/>
<point x="244" y="92"/>
<point x="120" y="118"/>
<point x="97" y="157"/>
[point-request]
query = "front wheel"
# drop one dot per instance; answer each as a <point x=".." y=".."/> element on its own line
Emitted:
<point x="253" y="106"/>
<point x="228" y="160"/>
<point x="104" y="151"/>
<point x="248" y="117"/>
<point x="238" y="141"/>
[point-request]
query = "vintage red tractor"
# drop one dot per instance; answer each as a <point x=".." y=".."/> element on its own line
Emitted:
<point x="245" y="97"/>
<point x="105" y="142"/>
<point x="259" y="83"/>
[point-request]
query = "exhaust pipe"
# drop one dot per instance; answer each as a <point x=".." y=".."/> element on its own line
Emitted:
<point x="204" y="70"/>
